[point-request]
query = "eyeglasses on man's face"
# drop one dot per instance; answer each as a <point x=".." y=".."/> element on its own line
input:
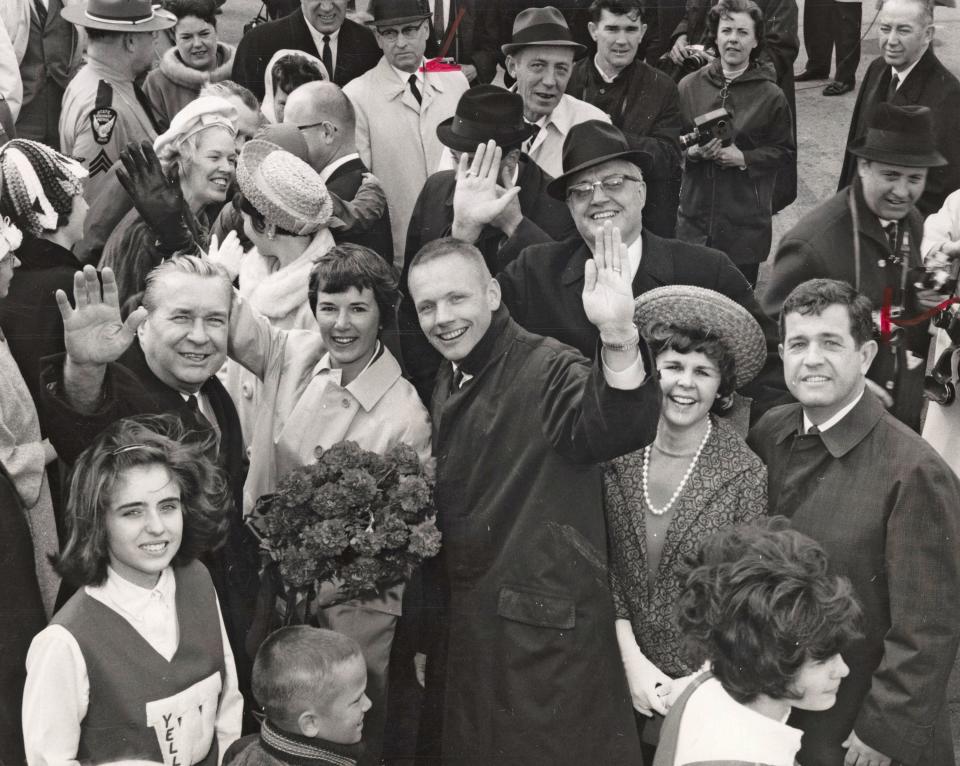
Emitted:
<point x="610" y="184"/>
<point x="409" y="32"/>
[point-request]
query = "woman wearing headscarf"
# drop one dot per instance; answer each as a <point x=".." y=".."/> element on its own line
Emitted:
<point x="697" y="477"/>
<point x="196" y="58"/>
<point x="286" y="71"/>
<point x="24" y="452"/>
<point x="198" y="153"/>
<point x="41" y="192"/>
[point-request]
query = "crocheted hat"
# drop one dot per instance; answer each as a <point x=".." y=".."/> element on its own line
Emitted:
<point x="731" y="323"/>
<point x="284" y="189"/>
<point x="37" y="185"/>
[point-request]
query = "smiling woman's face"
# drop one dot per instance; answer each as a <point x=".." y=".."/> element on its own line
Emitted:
<point x="690" y="383"/>
<point x="210" y="170"/>
<point x="196" y="42"/>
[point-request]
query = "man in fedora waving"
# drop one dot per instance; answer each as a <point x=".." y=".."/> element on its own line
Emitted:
<point x="869" y="235"/>
<point x="103" y="108"/>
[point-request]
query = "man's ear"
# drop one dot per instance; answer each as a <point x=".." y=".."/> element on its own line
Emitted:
<point x="862" y="166"/>
<point x="309" y="723"/>
<point x="780" y="349"/>
<point x="868" y="352"/>
<point x="592" y="29"/>
<point x="493" y="294"/>
<point x="511" y="65"/>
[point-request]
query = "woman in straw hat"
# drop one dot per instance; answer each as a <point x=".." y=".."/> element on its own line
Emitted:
<point x="41" y="192"/>
<point x="285" y="210"/>
<point x="24" y="452"/>
<point x="199" y="153"/>
<point x="698" y="476"/>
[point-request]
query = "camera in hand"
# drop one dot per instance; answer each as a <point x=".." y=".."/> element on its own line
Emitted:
<point x="715" y="124"/>
<point x="694" y="60"/>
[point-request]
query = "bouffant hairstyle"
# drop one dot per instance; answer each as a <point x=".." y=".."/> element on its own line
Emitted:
<point x="686" y="339"/>
<point x="758" y="603"/>
<point x="292" y="71"/>
<point x="725" y="8"/>
<point x="292" y="671"/>
<point x="816" y="295"/>
<point x="349" y="265"/>
<point x="37" y="183"/>
<point x="147" y="440"/>
<point x="205" y="10"/>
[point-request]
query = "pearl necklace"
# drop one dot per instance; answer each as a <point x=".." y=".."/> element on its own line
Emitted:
<point x="683" y="482"/>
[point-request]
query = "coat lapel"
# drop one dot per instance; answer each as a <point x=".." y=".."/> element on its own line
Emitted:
<point x="656" y="265"/>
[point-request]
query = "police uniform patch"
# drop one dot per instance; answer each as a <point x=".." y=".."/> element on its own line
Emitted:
<point x="100" y="164"/>
<point x="102" y="123"/>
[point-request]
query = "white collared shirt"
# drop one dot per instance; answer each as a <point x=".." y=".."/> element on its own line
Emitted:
<point x="405" y="76"/>
<point x="332" y="167"/>
<point x="600" y="70"/>
<point x="318" y="41"/>
<point x="634" y="255"/>
<point x="905" y="72"/>
<point x="57" y="692"/>
<point x="826" y="425"/>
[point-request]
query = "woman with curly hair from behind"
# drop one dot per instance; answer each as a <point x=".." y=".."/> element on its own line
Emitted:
<point x="759" y="606"/>
<point x="137" y="664"/>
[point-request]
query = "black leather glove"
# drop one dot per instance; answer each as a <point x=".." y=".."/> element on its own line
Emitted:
<point x="158" y="200"/>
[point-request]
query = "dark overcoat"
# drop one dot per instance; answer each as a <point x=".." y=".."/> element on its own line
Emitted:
<point x="543" y="287"/>
<point x="930" y="84"/>
<point x="820" y="246"/>
<point x="357" y="50"/>
<point x="645" y="104"/>
<point x="532" y="669"/>
<point x="885" y="508"/>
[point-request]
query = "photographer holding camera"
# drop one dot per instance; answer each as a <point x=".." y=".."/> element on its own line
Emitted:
<point x="732" y="161"/>
<point x="869" y="235"/>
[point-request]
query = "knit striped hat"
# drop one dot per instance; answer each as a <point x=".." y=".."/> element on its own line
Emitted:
<point x="37" y="185"/>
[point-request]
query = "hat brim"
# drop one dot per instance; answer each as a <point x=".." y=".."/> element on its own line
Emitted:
<point x="508" y="49"/>
<point x="687" y="305"/>
<point x="393" y="22"/>
<point x="76" y="14"/>
<point x="557" y="188"/>
<point x="930" y="159"/>
<point x="463" y="144"/>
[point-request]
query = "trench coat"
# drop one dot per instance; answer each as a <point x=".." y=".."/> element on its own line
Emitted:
<point x="930" y="84"/>
<point x="884" y="507"/>
<point x="397" y="137"/>
<point x="531" y="672"/>
<point x="820" y="246"/>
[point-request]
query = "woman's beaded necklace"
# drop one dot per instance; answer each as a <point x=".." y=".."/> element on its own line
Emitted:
<point x="683" y="482"/>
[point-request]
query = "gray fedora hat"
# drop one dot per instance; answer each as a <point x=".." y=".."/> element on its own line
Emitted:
<point x="541" y="26"/>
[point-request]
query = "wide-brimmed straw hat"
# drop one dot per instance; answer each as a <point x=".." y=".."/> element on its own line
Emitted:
<point x="284" y="189"/>
<point x="483" y="113"/>
<point x="391" y="12"/>
<point x="713" y="312"/>
<point x="592" y="143"/>
<point x="899" y="135"/>
<point x="541" y="26"/>
<point x="119" y="15"/>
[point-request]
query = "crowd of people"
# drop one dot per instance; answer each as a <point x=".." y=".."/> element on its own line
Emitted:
<point x="684" y="518"/>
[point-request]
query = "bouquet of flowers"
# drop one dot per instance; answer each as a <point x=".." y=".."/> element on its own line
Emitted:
<point x="362" y="520"/>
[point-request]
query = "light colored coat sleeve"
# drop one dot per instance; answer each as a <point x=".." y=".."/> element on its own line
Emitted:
<point x="362" y="137"/>
<point x="11" y="86"/>
<point x="943" y="226"/>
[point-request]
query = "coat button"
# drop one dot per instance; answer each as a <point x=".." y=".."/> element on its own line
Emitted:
<point x="247" y="390"/>
<point x="346" y="404"/>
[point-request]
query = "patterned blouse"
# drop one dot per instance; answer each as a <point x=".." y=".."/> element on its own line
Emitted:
<point x="727" y="487"/>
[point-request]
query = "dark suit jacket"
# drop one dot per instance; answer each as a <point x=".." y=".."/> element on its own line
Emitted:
<point x="344" y="182"/>
<point x="357" y="50"/>
<point x="820" y="246"/>
<point x="884" y="506"/>
<point x="463" y="48"/>
<point x="543" y="290"/>
<point x="544" y="220"/>
<point x="131" y="388"/>
<point x="930" y="84"/>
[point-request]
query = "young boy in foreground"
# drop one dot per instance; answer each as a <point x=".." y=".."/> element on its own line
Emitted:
<point x="310" y="683"/>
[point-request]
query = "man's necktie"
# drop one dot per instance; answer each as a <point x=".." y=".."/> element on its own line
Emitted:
<point x="528" y="144"/>
<point x="892" y="90"/>
<point x="891" y="230"/>
<point x="414" y="89"/>
<point x="327" y="56"/>
<point x="41" y="12"/>
<point x="438" y="27"/>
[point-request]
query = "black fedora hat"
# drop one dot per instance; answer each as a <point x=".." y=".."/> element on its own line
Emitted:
<point x="483" y="113"/>
<point x="541" y="26"/>
<point x="388" y="12"/>
<point x="899" y="135"/>
<point x="593" y="143"/>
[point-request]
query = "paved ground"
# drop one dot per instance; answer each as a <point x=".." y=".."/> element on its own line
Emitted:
<point x="822" y="127"/>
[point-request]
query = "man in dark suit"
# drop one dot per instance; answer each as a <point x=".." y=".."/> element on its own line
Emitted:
<point x="884" y="506"/>
<point x="905" y="32"/>
<point x="472" y="203"/>
<point x="603" y="180"/>
<point x="327" y="121"/>
<point x="869" y="235"/>
<point x="163" y="359"/>
<point x="320" y="28"/>
<point x="476" y="67"/>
